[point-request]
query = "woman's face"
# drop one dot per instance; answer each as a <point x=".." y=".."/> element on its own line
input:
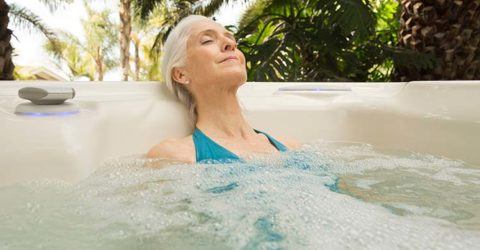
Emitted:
<point x="213" y="57"/>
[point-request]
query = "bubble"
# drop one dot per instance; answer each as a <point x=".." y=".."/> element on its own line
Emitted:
<point x="323" y="195"/>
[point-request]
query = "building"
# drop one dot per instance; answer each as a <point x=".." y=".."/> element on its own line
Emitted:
<point x="37" y="73"/>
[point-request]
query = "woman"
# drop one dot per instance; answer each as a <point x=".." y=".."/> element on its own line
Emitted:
<point x="204" y="69"/>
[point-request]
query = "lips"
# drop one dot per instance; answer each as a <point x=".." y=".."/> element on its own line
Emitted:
<point x="229" y="58"/>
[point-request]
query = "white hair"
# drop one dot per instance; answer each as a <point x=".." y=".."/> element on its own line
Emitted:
<point x="174" y="55"/>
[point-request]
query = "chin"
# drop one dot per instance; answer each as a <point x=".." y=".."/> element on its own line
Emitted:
<point x="235" y="77"/>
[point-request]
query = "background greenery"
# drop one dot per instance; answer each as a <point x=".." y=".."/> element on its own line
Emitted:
<point x="283" y="40"/>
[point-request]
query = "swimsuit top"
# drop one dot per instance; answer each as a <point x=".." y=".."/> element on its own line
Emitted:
<point x="207" y="150"/>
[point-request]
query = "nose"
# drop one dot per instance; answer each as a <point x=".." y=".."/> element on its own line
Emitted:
<point x="228" y="44"/>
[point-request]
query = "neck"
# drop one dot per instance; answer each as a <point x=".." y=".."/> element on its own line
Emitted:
<point x="220" y="114"/>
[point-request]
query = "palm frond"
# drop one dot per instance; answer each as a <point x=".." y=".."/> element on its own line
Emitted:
<point x="412" y="59"/>
<point x="173" y="11"/>
<point x="213" y="6"/>
<point x="210" y="8"/>
<point x="252" y="13"/>
<point x="55" y="4"/>
<point x="143" y="8"/>
<point x="355" y="16"/>
<point x="26" y="19"/>
<point x="313" y="40"/>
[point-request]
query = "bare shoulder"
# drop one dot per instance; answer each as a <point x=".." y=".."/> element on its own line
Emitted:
<point x="291" y="143"/>
<point x="177" y="149"/>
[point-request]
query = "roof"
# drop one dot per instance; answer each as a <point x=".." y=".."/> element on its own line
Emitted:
<point x="41" y="73"/>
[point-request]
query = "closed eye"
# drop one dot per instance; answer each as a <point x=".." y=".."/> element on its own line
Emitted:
<point x="207" y="41"/>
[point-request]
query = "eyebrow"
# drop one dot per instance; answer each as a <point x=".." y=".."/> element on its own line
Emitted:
<point x="229" y="34"/>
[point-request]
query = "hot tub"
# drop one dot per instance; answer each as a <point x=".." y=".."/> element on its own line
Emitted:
<point x="115" y="119"/>
<point x="440" y="121"/>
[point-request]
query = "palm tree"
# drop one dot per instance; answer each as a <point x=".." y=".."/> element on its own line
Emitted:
<point x="6" y="64"/>
<point x="171" y="12"/>
<point x="317" y="40"/>
<point x="101" y="38"/>
<point x="125" y="36"/>
<point x="144" y="60"/>
<point x="95" y="54"/>
<point x="448" y="30"/>
<point x="322" y="40"/>
<point x="73" y="55"/>
<point x="147" y="63"/>
<point x="22" y="17"/>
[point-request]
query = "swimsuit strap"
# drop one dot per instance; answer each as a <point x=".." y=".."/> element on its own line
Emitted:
<point x="277" y="144"/>
<point x="208" y="149"/>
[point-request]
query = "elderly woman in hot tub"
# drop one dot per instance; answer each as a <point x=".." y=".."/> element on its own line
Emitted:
<point x="204" y="69"/>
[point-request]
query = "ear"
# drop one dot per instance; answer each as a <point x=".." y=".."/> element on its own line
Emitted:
<point x="180" y="76"/>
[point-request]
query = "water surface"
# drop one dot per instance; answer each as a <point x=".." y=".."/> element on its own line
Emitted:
<point x="326" y="195"/>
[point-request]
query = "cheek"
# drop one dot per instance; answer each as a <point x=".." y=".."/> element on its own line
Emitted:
<point x="203" y="58"/>
<point x="242" y="57"/>
<point x="198" y="62"/>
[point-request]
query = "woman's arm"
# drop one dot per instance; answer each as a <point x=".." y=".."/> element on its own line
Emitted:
<point x="172" y="149"/>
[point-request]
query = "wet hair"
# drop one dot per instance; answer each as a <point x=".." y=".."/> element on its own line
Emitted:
<point x="174" y="55"/>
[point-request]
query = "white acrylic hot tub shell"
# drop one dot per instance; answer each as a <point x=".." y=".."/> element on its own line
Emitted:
<point x="121" y="119"/>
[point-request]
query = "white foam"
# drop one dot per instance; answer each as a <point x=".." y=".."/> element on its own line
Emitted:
<point x="266" y="203"/>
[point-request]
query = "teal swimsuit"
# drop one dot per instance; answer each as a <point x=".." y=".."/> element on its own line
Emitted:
<point x="208" y="151"/>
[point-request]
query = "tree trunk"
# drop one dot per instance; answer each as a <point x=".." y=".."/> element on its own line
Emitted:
<point x="100" y="69"/>
<point x="125" y="30"/>
<point x="136" y="43"/>
<point x="449" y="29"/>
<point x="99" y="63"/>
<point x="6" y="64"/>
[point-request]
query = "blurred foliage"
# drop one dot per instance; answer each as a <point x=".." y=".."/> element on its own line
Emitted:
<point x="73" y="56"/>
<point x="92" y="57"/>
<point x="146" y="61"/>
<point x="169" y="12"/>
<point x="283" y="40"/>
<point x="24" y="18"/>
<point x="312" y="40"/>
<point x="323" y="40"/>
<point x="19" y="75"/>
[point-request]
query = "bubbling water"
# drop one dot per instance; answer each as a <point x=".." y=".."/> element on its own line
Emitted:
<point x="324" y="195"/>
